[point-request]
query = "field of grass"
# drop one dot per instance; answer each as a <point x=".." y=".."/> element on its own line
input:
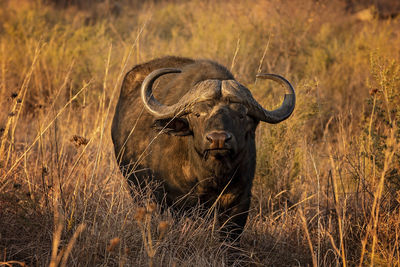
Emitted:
<point x="327" y="183"/>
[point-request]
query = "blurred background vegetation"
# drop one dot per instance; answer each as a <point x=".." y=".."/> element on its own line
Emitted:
<point x="327" y="183"/>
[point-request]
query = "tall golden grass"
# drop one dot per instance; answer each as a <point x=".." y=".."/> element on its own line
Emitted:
<point x="326" y="191"/>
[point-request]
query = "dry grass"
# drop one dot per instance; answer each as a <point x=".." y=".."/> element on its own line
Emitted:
<point x="327" y="185"/>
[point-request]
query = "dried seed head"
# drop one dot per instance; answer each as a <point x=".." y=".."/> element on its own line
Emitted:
<point x="140" y="213"/>
<point x="79" y="141"/>
<point x="373" y="92"/>
<point x="113" y="244"/>
<point x="151" y="207"/>
<point x="45" y="170"/>
<point x="163" y="226"/>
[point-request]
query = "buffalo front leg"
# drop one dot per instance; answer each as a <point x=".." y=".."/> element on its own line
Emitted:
<point x="233" y="219"/>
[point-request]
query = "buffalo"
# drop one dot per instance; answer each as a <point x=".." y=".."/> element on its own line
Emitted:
<point x="195" y="135"/>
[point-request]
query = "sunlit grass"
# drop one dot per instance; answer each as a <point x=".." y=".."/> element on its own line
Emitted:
<point x="327" y="180"/>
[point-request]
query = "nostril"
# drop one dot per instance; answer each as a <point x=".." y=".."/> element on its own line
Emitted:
<point x="209" y="138"/>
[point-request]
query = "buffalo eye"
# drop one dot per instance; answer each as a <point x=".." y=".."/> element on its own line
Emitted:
<point x="175" y="126"/>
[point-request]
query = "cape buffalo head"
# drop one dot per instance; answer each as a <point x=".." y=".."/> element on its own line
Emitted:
<point x="220" y="116"/>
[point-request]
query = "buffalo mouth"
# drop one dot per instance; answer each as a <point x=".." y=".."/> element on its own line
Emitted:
<point x="218" y="153"/>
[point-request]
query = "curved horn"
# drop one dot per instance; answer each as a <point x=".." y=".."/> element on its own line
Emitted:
<point x="150" y="103"/>
<point x="281" y="113"/>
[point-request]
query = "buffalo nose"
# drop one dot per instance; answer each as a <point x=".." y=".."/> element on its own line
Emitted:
<point x="218" y="139"/>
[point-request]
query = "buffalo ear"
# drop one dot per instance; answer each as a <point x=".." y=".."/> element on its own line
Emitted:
<point x="175" y="126"/>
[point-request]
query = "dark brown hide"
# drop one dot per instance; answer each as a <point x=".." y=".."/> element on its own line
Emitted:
<point x="200" y="157"/>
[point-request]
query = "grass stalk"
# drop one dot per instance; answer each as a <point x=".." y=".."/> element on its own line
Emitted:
<point x="309" y="242"/>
